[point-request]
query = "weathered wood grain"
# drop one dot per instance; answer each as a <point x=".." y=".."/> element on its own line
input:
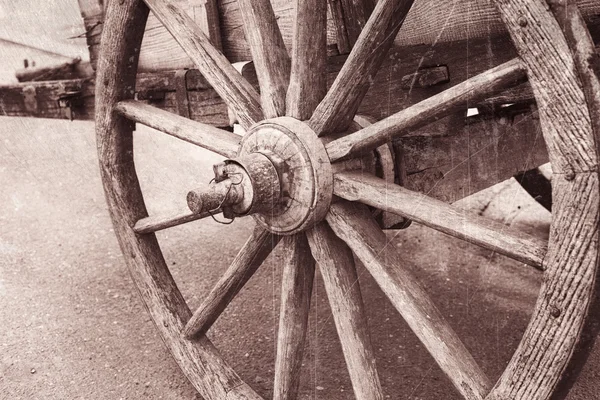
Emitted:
<point x="269" y="54"/>
<point x="463" y="20"/>
<point x="585" y="55"/>
<point x="92" y="13"/>
<point x="336" y="264"/>
<point x="353" y="224"/>
<point x="432" y="21"/>
<point x="473" y="156"/>
<point x="472" y="90"/>
<point x="492" y="235"/>
<point x="209" y="197"/>
<point x="338" y="25"/>
<point x="250" y="257"/>
<point x="356" y="13"/>
<point x="199" y="360"/>
<point x="206" y="14"/>
<point x="41" y="99"/>
<point x="237" y="93"/>
<point x="586" y="60"/>
<point x="206" y="136"/>
<point x="308" y="81"/>
<point x="339" y="106"/>
<point x="567" y="302"/>
<point x="296" y="289"/>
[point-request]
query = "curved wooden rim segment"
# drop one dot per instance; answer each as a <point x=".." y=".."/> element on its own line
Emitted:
<point x="585" y="58"/>
<point x="199" y="360"/>
<point x="563" y="304"/>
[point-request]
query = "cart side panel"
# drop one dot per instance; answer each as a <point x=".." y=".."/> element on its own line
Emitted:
<point x="429" y="22"/>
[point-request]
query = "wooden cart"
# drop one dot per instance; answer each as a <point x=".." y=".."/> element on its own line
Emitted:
<point x="348" y="104"/>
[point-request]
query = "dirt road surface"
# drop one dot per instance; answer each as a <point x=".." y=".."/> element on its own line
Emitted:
<point x="72" y="325"/>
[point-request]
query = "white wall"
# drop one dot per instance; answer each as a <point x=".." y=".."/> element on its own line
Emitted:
<point x="12" y="56"/>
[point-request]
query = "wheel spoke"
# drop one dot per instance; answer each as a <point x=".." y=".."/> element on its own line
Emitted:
<point x="250" y="257"/>
<point x="296" y="289"/>
<point x="337" y="109"/>
<point x="239" y="95"/>
<point x="441" y="216"/>
<point x="206" y="136"/>
<point x="308" y="82"/>
<point x="269" y="54"/>
<point x="341" y="283"/>
<point x="159" y="222"/>
<point x="352" y="223"/>
<point x="433" y="108"/>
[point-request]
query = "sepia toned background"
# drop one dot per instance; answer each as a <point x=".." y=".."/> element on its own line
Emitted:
<point x="72" y="325"/>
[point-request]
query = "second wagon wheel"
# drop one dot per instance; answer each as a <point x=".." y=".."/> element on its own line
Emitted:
<point x="284" y="175"/>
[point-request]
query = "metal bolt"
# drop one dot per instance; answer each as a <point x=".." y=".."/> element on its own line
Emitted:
<point x="522" y="22"/>
<point x="569" y="176"/>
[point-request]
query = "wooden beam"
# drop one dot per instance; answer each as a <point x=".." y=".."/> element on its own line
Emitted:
<point x="463" y="60"/>
<point x="42" y="99"/>
<point x="449" y="159"/>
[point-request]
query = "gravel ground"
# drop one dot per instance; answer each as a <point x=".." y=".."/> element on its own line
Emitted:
<point x="74" y="328"/>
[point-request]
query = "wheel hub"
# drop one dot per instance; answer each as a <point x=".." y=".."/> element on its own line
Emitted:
<point x="281" y="175"/>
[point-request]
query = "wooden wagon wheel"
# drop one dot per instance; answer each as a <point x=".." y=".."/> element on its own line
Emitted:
<point x="284" y="175"/>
